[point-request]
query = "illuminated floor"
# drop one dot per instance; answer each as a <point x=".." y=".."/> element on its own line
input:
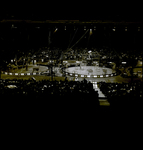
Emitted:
<point x="89" y="70"/>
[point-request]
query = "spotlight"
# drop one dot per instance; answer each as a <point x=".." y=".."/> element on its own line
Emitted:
<point x="90" y="31"/>
<point x="114" y="29"/>
<point x="125" y="28"/>
<point x="56" y="30"/>
<point x="13" y="27"/>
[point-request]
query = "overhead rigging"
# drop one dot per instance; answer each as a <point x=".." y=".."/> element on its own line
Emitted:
<point x="80" y="38"/>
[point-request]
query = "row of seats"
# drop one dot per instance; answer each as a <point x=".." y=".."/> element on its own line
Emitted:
<point x="124" y="96"/>
<point x="46" y="97"/>
<point x="49" y="90"/>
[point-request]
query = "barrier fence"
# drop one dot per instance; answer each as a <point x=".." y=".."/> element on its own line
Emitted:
<point x="21" y="74"/>
<point x="70" y="74"/>
<point x="91" y="76"/>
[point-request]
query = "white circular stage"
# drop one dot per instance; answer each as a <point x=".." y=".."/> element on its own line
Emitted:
<point x="89" y="70"/>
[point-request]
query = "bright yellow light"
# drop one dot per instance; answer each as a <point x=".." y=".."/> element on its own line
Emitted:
<point x="90" y="31"/>
<point x="56" y="30"/>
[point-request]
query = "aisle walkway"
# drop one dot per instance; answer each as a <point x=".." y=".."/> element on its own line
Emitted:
<point x="97" y="89"/>
<point x="102" y="98"/>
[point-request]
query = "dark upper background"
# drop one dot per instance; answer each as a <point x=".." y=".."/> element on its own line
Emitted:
<point x="77" y="10"/>
<point x="27" y="36"/>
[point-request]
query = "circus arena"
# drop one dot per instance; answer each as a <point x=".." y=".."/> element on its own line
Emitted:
<point x="92" y="66"/>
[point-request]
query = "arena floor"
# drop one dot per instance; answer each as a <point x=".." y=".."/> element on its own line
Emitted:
<point x="82" y="70"/>
<point x="89" y="70"/>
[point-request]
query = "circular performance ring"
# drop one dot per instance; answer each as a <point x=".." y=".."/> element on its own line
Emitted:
<point x="89" y="71"/>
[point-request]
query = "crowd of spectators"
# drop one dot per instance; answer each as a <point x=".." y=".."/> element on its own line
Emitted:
<point x="49" y="92"/>
<point x="48" y="54"/>
<point x="120" y="60"/>
<point x="110" y="55"/>
<point x="123" y="94"/>
<point x="80" y="54"/>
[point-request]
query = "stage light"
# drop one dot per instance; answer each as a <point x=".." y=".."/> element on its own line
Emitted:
<point x="10" y="73"/>
<point x="88" y="76"/>
<point x="84" y="27"/>
<point x="34" y="73"/>
<point x="13" y="27"/>
<point x="107" y="75"/>
<point x="82" y="75"/>
<point x="139" y="71"/>
<point x="12" y="60"/>
<point x="125" y="28"/>
<point x="114" y="29"/>
<point x="28" y="74"/>
<point x="101" y="76"/>
<point x="124" y="62"/>
<point x="56" y="30"/>
<point x="11" y="86"/>
<point x="95" y="76"/>
<point x="76" y="75"/>
<point x="90" y="31"/>
<point x="22" y="74"/>
<point x="16" y="74"/>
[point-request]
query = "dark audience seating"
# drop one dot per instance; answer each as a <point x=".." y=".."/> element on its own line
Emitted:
<point x="58" y="96"/>
<point x="124" y="96"/>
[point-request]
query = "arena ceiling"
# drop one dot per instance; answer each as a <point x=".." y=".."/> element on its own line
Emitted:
<point x="56" y="12"/>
